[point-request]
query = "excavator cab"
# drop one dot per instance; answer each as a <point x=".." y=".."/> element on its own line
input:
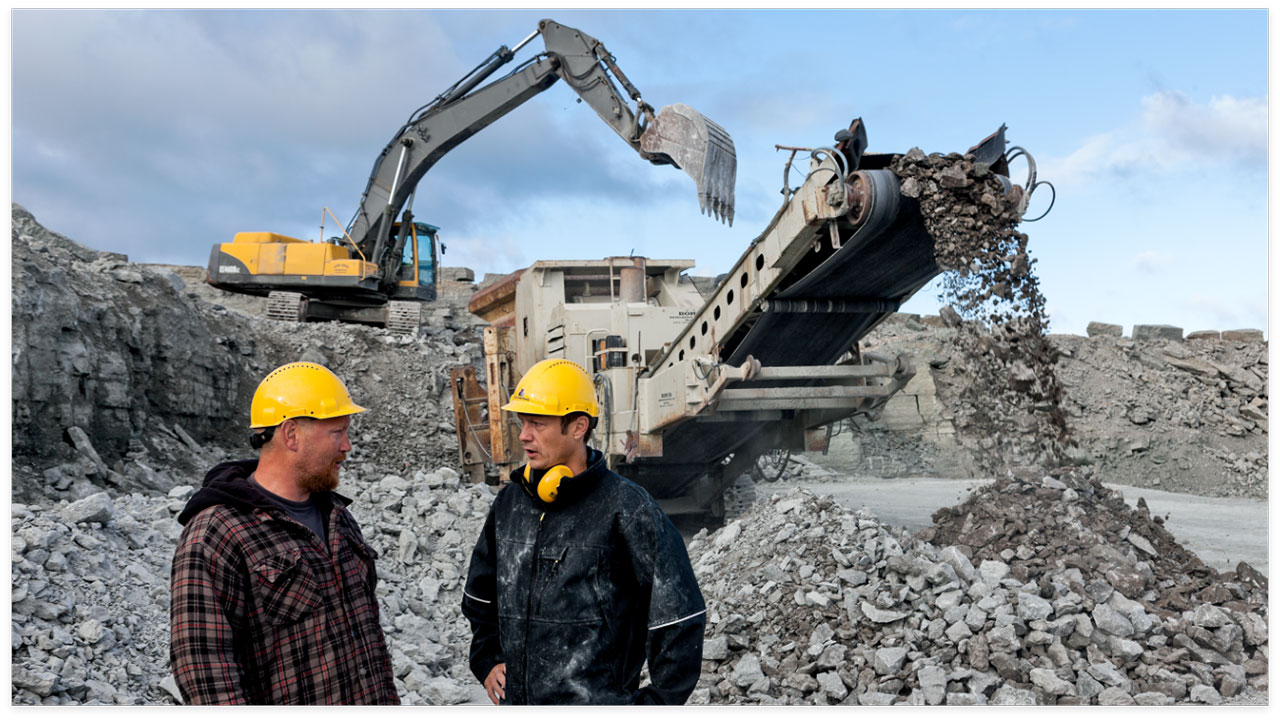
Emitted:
<point x="420" y="259"/>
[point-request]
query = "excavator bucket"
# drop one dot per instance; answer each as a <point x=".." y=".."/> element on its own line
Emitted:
<point x="702" y="149"/>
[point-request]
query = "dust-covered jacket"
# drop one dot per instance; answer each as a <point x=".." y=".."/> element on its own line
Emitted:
<point x="263" y="612"/>
<point x="575" y="595"/>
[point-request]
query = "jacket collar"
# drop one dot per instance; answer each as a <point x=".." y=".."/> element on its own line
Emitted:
<point x="571" y="488"/>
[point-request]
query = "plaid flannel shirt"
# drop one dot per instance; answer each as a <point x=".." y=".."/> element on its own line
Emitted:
<point x="262" y="613"/>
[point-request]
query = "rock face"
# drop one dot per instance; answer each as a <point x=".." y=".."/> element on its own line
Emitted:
<point x="100" y="344"/>
<point x="978" y="621"/>
<point x="123" y="381"/>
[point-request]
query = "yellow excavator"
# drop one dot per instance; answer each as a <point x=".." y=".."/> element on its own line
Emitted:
<point x="383" y="266"/>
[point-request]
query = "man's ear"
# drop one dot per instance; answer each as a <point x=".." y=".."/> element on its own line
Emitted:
<point x="581" y="424"/>
<point x="288" y="434"/>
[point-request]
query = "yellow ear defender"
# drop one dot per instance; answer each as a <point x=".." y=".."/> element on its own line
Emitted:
<point x="549" y="483"/>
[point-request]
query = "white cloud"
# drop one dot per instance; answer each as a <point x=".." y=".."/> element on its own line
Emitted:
<point x="1172" y="134"/>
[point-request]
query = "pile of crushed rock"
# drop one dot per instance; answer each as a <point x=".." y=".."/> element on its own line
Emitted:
<point x="813" y="603"/>
<point x="90" y="607"/>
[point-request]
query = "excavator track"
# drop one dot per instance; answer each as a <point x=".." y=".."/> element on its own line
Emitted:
<point x="403" y="318"/>
<point x="287" y="306"/>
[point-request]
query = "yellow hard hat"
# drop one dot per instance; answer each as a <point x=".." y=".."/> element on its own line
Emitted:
<point x="554" y="387"/>
<point x="300" y="389"/>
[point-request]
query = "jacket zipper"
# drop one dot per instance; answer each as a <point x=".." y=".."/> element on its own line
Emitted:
<point x="528" y="614"/>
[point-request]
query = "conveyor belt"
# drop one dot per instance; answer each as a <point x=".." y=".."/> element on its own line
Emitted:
<point x="885" y="259"/>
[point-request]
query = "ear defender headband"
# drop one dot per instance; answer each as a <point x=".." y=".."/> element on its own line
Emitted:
<point x="548" y="486"/>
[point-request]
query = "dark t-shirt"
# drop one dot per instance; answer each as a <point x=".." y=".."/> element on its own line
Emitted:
<point x="304" y="512"/>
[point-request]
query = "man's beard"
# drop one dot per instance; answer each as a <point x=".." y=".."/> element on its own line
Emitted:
<point x="324" y="481"/>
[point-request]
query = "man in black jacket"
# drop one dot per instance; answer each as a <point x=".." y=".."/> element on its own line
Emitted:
<point x="577" y="572"/>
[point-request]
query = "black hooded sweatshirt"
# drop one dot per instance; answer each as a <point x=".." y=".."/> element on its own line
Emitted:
<point x="228" y="483"/>
<point x="575" y="595"/>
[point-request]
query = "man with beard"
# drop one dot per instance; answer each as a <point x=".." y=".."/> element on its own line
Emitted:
<point x="272" y="584"/>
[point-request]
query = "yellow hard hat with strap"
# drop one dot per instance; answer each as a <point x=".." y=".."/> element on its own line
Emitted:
<point x="554" y="387"/>
<point x="300" y="389"/>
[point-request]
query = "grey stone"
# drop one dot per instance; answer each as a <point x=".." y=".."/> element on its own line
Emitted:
<point x="445" y="691"/>
<point x="1049" y="681"/>
<point x="407" y="547"/>
<point x="1152" y="698"/>
<point x="941" y="573"/>
<point x="958" y="561"/>
<point x="813" y="597"/>
<point x="1234" y="679"/>
<point x="729" y="535"/>
<point x="1087" y="686"/>
<point x="95" y="508"/>
<point x="1204" y="694"/>
<point x="1210" y="616"/>
<point x="888" y="661"/>
<point x="1114" y="696"/>
<point x="1108" y="620"/>
<point x="958" y="631"/>
<point x="801" y="681"/>
<point x="957" y="698"/>
<point x="832" y="657"/>
<point x="1157" y="332"/>
<point x="1245" y="335"/>
<point x="1003" y="639"/>
<point x="993" y="571"/>
<point x="717" y="648"/>
<point x="832" y="686"/>
<point x="947" y="600"/>
<point x="933" y="684"/>
<point x="821" y="634"/>
<point x="39" y="682"/>
<point x="876" y="615"/>
<point x="1096" y="329"/>
<point x="1033" y="607"/>
<point x="1125" y="649"/>
<point x="1013" y="696"/>
<point x="876" y="698"/>
<point x="91" y="631"/>
<point x="1108" y="674"/>
<point x="747" y="670"/>
<point x="1142" y="544"/>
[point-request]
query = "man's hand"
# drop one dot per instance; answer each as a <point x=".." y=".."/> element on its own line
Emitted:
<point x="496" y="683"/>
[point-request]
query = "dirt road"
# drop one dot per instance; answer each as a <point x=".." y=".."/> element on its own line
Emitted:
<point x="1222" y="531"/>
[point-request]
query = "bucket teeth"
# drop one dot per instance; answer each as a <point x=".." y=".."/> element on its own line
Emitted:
<point x="702" y="149"/>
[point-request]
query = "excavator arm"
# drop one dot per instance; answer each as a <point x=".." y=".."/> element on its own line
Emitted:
<point x="677" y="135"/>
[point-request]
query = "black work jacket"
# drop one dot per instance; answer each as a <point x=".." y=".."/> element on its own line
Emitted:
<point x="571" y="594"/>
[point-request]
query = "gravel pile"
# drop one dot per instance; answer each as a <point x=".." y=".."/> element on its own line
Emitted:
<point x="812" y="603"/>
<point x="90" y="607"/>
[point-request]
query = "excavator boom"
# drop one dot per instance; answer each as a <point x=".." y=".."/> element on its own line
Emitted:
<point x="678" y="135"/>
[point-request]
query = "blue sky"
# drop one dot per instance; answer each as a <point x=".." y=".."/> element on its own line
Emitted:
<point x="158" y="133"/>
